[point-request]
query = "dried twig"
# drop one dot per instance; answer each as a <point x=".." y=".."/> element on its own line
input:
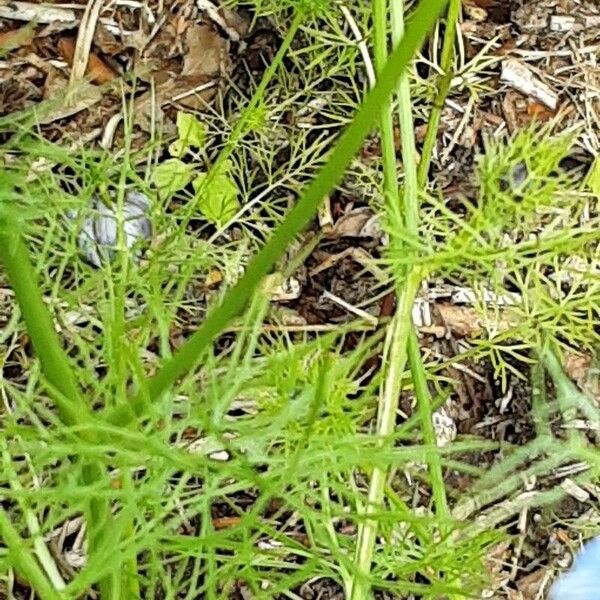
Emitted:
<point x="213" y="13"/>
<point x="362" y="44"/>
<point x="363" y="314"/>
<point x="521" y="78"/>
<point x="84" y="40"/>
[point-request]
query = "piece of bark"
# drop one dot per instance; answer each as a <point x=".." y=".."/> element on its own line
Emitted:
<point x="38" y="13"/>
<point x="518" y="76"/>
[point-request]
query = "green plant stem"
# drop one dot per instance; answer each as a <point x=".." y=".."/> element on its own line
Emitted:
<point x="55" y="364"/>
<point x="402" y="340"/>
<point x="24" y="562"/>
<point x="329" y="175"/>
<point x="407" y="131"/>
<point x="72" y="409"/>
<point x="435" y="116"/>
<point x="394" y="363"/>
<point x="41" y="551"/>
<point x="411" y="220"/>
<point x="125" y="584"/>
<point x="386" y="125"/>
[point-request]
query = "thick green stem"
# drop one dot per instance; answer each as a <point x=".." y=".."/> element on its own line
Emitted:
<point x="55" y="364"/>
<point x="386" y="126"/>
<point x="411" y="220"/>
<point x="24" y="562"/>
<point x="407" y="132"/>
<point x="72" y="408"/>
<point x="401" y="341"/>
<point x="394" y="364"/>
<point x="329" y="175"/>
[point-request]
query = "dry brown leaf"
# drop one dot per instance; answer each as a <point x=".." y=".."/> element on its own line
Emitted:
<point x="68" y="104"/>
<point x="350" y="224"/>
<point x="531" y="585"/>
<point x="226" y="522"/>
<point x="465" y="321"/>
<point x="97" y="70"/>
<point x="9" y="40"/>
<point x="205" y="60"/>
<point x="539" y="112"/>
<point x="579" y="368"/>
<point x="460" y="320"/>
<point x="358" y="222"/>
<point x="106" y="42"/>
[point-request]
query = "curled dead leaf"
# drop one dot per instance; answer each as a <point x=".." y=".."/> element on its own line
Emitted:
<point x="97" y="70"/>
<point x="206" y="59"/>
<point x="581" y="369"/>
<point x="358" y="222"/>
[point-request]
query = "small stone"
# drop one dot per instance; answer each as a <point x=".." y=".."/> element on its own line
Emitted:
<point x="99" y="234"/>
<point x="515" y="179"/>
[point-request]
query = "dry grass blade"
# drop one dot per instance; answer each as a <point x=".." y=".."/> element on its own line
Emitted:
<point x="84" y="40"/>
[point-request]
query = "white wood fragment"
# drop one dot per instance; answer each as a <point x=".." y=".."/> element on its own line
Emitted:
<point x="282" y="290"/>
<point x="505" y="400"/>
<point x="40" y="13"/>
<point x="421" y="313"/>
<point x="518" y="76"/>
<point x="444" y="427"/>
<point x="582" y="425"/>
<point x="561" y="23"/>
<point x="324" y="215"/>
<point x="85" y="37"/>
<point x="569" y="486"/>
<point x="590" y="21"/>
<point x="75" y="558"/>
<point x="130" y="3"/>
<point x="222" y="456"/>
<point x="269" y="544"/>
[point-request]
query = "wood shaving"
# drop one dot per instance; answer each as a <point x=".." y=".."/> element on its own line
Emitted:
<point x="517" y="75"/>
